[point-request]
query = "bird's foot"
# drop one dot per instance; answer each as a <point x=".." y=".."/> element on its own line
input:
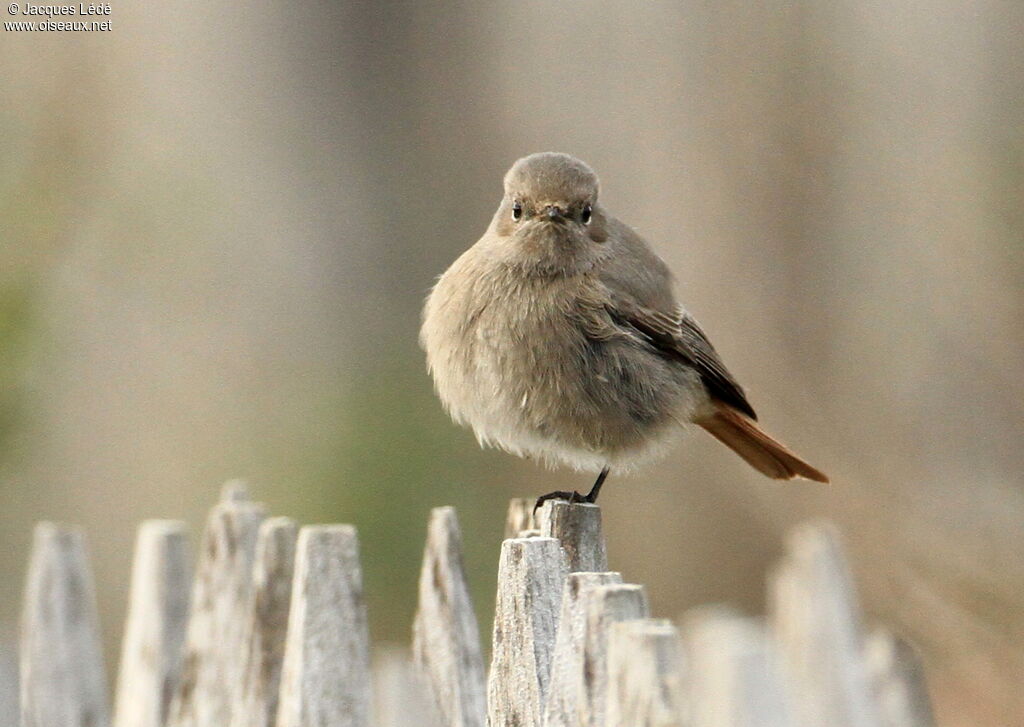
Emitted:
<point x="569" y="497"/>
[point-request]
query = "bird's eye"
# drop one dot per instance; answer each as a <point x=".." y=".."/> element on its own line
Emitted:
<point x="517" y="211"/>
<point x="586" y="214"/>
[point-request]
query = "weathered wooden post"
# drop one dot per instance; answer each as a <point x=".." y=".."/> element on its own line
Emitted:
<point x="154" y="633"/>
<point x="645" y="675"/>
<point x="898" y="679"/>
<point x="605" y="605"/>
<point x="277" y="636"/>
<point x="216" y="636"/>
<point x="62" y="677"/>
<point x="519" y="517"/>
<point x="265" y="618"/>
<point x="816" y="621"/>
<point x="325" y="681"/>
<point x="733" y="672"/>
<point x="446" y="638"/>
<point x="561" y="707"/>
<point x="577" y="526"/>
<point x="531" y="574"/>
<point x="401" y="697"/>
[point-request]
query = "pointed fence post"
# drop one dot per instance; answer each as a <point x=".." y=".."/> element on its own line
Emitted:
<point x="519" y="517"/>
<point x="265" y="616"/>
<point x="216" y="637"/>
<point x="561" y="708"/>
<point x="531" y="574"/>
<point x="154" y="634"/>
<point x="62" y="676"/>
<point x="276" y="636"/>
<point x="325" y="681"/>
<point x="645" y="674"/>
<point x="817" y="623"/>
<point x="577" y="526"/>
<point x="733" y="672"/>
<point x="898" y="677"/>
<point x="446" y="638"/>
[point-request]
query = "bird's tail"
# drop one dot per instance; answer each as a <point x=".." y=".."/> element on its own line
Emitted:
<point x="768" y="456"/>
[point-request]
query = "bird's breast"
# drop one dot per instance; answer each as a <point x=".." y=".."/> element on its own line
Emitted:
<point x="515" y="359"/>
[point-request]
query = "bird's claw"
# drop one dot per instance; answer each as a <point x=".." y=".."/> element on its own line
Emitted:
<point x="569" y="497"/>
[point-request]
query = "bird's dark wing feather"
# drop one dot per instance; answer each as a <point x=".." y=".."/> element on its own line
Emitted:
<point x="680" y="337"/>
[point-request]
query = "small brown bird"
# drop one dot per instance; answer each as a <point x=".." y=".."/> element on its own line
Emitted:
<point x="557" y="336"/>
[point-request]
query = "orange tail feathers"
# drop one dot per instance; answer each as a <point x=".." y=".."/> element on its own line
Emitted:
<point x="768" y="456"/>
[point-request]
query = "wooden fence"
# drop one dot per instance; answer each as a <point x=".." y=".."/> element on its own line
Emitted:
<point x="272" y="630"/>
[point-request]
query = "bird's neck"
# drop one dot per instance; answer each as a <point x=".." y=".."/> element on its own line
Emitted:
<point x="550" y="253"/>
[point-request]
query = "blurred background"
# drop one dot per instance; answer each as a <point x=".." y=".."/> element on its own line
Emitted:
<point x="218" y="223"/>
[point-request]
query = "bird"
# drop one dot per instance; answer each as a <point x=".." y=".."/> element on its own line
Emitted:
<point x="557" y="336"/>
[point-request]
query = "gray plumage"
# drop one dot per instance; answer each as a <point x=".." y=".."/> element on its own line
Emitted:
<point x="557" y="336"/>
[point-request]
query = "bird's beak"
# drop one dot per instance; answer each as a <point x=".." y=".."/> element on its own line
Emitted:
<point x="554" y="212"/>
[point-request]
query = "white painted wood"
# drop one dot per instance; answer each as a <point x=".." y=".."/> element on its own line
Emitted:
<point x="401" y="696"/>
<point x="325" y="680"/>
<point x="817" y="624"/>
<point x="265" y="615"/>
<point x="62" y="676"/>
<point x="561" y="707"/>
<point x="733" y="674"/>
<point x="446" y="638"/>
<point x="645" y="674"/>
<point x="155" y="624"/>
<point x="216" y="633"/>
<point x="577" y="526"/>
<point x="898" y="678"/>
<point x="531" y="575"/>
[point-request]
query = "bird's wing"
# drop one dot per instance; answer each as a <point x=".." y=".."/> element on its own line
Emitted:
<point x="635" y="270"/>
<point x="679" y="337"/>
<point x="639" y="287"/>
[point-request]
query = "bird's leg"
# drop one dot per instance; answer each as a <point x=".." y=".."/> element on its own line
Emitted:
<point x="575" y="496"/>
<point x="596" y="488"/>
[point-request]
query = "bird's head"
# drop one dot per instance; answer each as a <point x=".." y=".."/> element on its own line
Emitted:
<point x="550" y="211"/>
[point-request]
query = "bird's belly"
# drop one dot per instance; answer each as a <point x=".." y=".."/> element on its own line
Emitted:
<point x="543" y="388"/>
